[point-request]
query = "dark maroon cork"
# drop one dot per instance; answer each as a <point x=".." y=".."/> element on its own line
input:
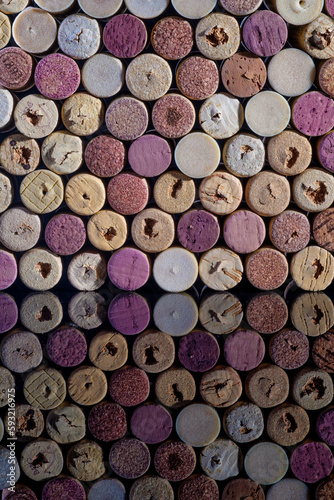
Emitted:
<point x="129" y="458"/>
<point x="65" y="234"/>
<point x="311" y="462"/>
<point x="325" y="426"/>
<point x="16" y="67"/>
<point x="67" y="346"/>
<point x="151" y="423"/>
<point x="289" y="349"/>
<point x="243" y="488"/>
<point x="21" y="493"/>
<point x="323" y="227"/>
<point x="105" y="156"/>
<point x="174" y="460"/>
<point x="129" y="386"/>
<point x="107" y="421"/>
<point x="199" y="487"/>
<point x="267" y="312"/>
<point x="125" y="35"/>
<point x="128" y="193"/>
<point x="198" y="351"/>
<point x="323" y="352"/>
<point x="197" y="77"/>
<point x="290" y="231"/>
<point x="173" y="116"/>
<point x="62" y="488"/>
<point x="172" y="37"/>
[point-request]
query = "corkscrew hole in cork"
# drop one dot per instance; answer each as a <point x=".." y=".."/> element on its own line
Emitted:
<point x="245" y="149"/>
<point x="320" y="40"/>
<point x="149" y="355"/>
<point x="293" y="235"/>
<point x="173" y="116"/>
<point x="110" y="348"/>
<point x="174" y="461"/>
<point x="175" y="188"/>
<point x="88" y="385"/>
<point x="318" y="195"/>
<point x="318" y="315"/>
<point x="292" y="155"/>
<point x="314" y="386"/>
<point x="291" y="345"/>
<point x="44" y="190"/>
<point x="215" y="460"/>
<point x="290" y="424"/>
<point x="44" y="314"/>
<point x="175" y="393"/>
<point x="110" y="233"/>
<point x="33" y="117"/>
<point x="148" y="228"/>
<point x="22" y="156"/>
<point x="214" y="315"/>
<point x="39" y="460"/>
<point x="47" y="391"/>
<point x="86" y="196"/>
<point x="319" y="268"/>
<point x="44" y="268"/>
<point x="244" y="429"/>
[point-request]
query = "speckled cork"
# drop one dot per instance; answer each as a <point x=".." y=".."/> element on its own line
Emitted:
<point x="19" y="155"/>
<point x="79" y="36"/>
<point x="324" y="426"/>
<point x="312" y="190"/>
<point x="87" y="271"/>
<point x="57" y="76"/>
<point x="288" y="424"/>
<point x="266" y="268"/>
<point x="20" y="229"/>
<point x="289" y="349"/>
<point x="289" y="153"/>
<point x="29" y="422"/>
<point x="125" y="36"/>
<point x="85" y="460"/>
<point x="312" y="313"/>
<point x="66" y="423"/>
<point x="240" y="7"/>
<point x="129" y="386"/>
<point x="175" y="314"/>
<point x="45" y="388"/>
<point x="63" y="486"/>
<point x="152" y="87"/>
<point x="325" y="151"/>
<point x="313" y="113"/>
<point x="82" y="114"/>
<point x="290" y="231"/>
<point x="150" y="155"/>
<point x="244" y="349"/>
<point x="198" y="351"/>
<point x="41" y="312"/>
<point x="322" y="352"/>
<point x="129" y="458"/>
<point x="151" y="423"/>
<point x="267" y="386"/>
<point x="153" y="487"/>
<point x="325" y="76"/>
<point x="87" y="385"/>
<point x="244" y="155"/>
<point x="20" y="492"/>
<point x="101" y="9"/>
<point x="40" y="269"/>
<point x="7" y="381"/>
<point x="267" y="193"/>
<point x="175" y="387"/>
<point x="104" y="487"/>
<point x="221" y="387"/>
<point x="146" y="11"/>
<point x="9" y="312"/>
<point x="218" y="36"/>
<point x="105" y="156"/>
<point x="244" y="231"/>
<point x="315" y="37"/>
<point x="173" y="116"/>
<point x="128" y="193"/>
<point x="34" y="30"/>
<point x="36" y="116"/>
<point x="85" y="194"/>
<point x="289" y="486"/>
<point x="153" y="230"/>
<point x="174" y="460"/>
<point x="62" y="152"/>
<point x="41" y="459"/>
<point x="20" y="351"/>
<point x="312" y="388"/>
<point x="16" y="68"/>
<point x="87" y="310"/>
<point x="312" y="268"/>
<point x="66" y="346"/>
<point x="126" y="118"/>
<point x="172" y="37"/>
<point x="220" y="313"/>
<point x="103" y="75"/>
<point x="198" y="230"/>
<point x="244" y="74"/>
<point x="197" y="77"/>
<point x="220" y="268"/>
<point x="291" y="72"/>
<point x="325" y="489"/>
<point x="198" y="425"/>
<point x="65" y="234"/>
<point x="221" y="116"/>
<point x="243" y="422"/>
<point x="108" y="350"/>
<point x="197" y="487"/>
<point x="153" y="351"/>
<point x="264" y="33"/>
<point x="266" y="463"/>
<point x="220" y="193"/>
<point x="267" y="113"/>
<point x="312" y="461"/>
<point x="221" y="459"/>
<point x="107" y="421"/>
<point x="243" y="487"/>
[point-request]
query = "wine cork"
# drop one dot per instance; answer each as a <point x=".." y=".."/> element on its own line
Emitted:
<point x="87" y="385"/>
<point x="151" y="423"/>
<point x="175" y="269"/>
<point x="88" y="310"/>
<point x="129" y="269"/>
<point x="41" y="459"/>
<point x="198" y="351"/>
<point x="129" y="313"/>
<point x="150" y="155"/>
<point x="153" y="351"/>
<point x="7" y="384"/>
<point x="107" y="421"/>
<point x="295" y="13"/>
<point x="220" y="269"/>
<point x="289" y="349"/>
<point x="153" y="230"/>
<point x="243" y="422"/>
<point x="289" y="153"/>
<point x="221" y="459"/>
<point x="312" y="190"/>
<point x="197" y="487"/>
<point x="192" y="10"/>
<point x="35" y="30"/>
<point x="82" y="114"/>
<point x="57" y="76"/>
<point x="21" y="351"/>
<point x="8" y="468"/>
<point x="174" y="192"/>
<point x="6" y="192"/>
<point x="13" y="6"/>
<point x="16" y="68"/>
<point x="36" y="116"/>
<point x="244" y="231"/>
<point x="125" y="36"/>
<point x="172" y="37"/>
<point x="129" y="386"/>
<point x="312" y="461"/>
<point x="101" y="9"/>
<point x="312" y="268"/>
<point x="324" y="426"/>
<point x="66" y="424"/>
<point x="62" y="486"/>
<point x="266" y="463"/>
<point x="105" y="156"/>
<point x="40" y="269"/>
<point x="244" y="74"/>
<point x="61" y="7"/>
<point x="221" y="116"/>
<point x="151" y="486"/>
<point x="218" y="36"/>
<point x="325" y="76"/>
<point x="108" y="350"/>
<point x="152" y="87"/>
<point x="197" y="77"/>
<point x="240" y="7"/>
<point x="312" y="313"/>
<point x="175" y="387"/>
<point x="220" y="193"/>
<point x="267" y="113"/>
<point x="85" y="194"/>
<point x="267" y="193"/>
<point x="45" y="388"/>
<point x="129" y="458"/>
<point x="79" y="36"/>
<point x="8" y="269"/>
<point x="313" y="114"/>
<point x="87" y="271"/>
<point x="198" y="230"/>
<point x="312" y="388"/>
<point x="8" y="312"/>
<point x="285" y="487"/>
<point x="315" y="37"/>
<point x="175" y="314"/>
<point x="146" y="11"/>
<point x="325" y="151"/>
<point x="19" y="154"/>
<point x="66" y="346"/>
<point x="103" y="75"/>
<point x="288" y="424"/>
<point x="85" y="460"/>
<point x="322" y="352"/>
<point x="329" y="7"/>
<point x="220" y="313"/>
<point x="42" y="191"/>
<point x="7" y="104"/>
<point x="41" y="312"/>
<point x="128" y="193"/>
<point x="267" y="386"/>
<point x="29" y="422"/>
<point x="126" y="118"/>
<point x="173" y="116"/>
<point x="174" y="460"/>
<point x="291" y="72"/>
<point x="266" y="268"/>
<point x="244" y="155"/>
<point x="198" y="425"/>
<point x="324" y="489"/>
<point x="65" y="234"/>
<point x="264" y="33"/>
<point x="20" y="229"/>
<point x="244" y="349"/>
<point x="62" y="152"/>
<point x="243" y="487"/>
<point x="105" y="487"/>
<point x="221" y="387"/>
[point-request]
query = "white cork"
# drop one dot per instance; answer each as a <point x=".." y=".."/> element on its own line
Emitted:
<point x="193" y="9"/>
<point x="267" y="113"/>
<point x="221" y="116"/>
<point x="175" y="269"/>
<point x="197" y="155"/>
<point x="103" y="75"/>
<point x="147" y="9"/>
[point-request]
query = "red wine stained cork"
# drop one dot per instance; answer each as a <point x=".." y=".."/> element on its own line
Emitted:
<point x="41" y="459"/>
<point x="244" y="349"/>
<point x="87" y="271"/>
<point x="172" y="37"/>
<point x="197" y="155"/>
<point x="315" y="37"/>
<point x="198" y="351"/>
<point x="85" y="194"/>
<point x="175" y="387"/>
<point x="220" y="313"/>
<point x="40" y="269"/>
<point x="198" y="487"/>
<point x="129" y="313"/>
<point x="82" y="114"/>
<point x="8" y="312"/>
<point x="159" y="81"/>
<point x="105" y="156"/>
<point x="325" y="75"/>
<point x="153" y="230"/>
<point x="29" y="422"/>
<point x="322" y="352"/>
<point x="173" y="116"/>
<point x="238" y="488"/>
<point x="324" y="426"/>
<point x="16" y="68"/>
<point x="289" y="153"/>
<point x="290" y="231"/>
<point x="218" y="36"/>
<point x="62" y="486"/>
<point x="267" y="193"/>
<point x="8" y="269"/>
<point x="289" y="349"/>
<point x="20" y="229"/>
<point x="35" y="30"/>
<point x="308" y="113"/>
<point x="288" y="424"/>
<point x="66" y="424"/>
<point x="220" y="193"/>
<point x="20" y="351"/>
<point x="45" y="388"/>
<point x="85" y="460"/>
<point x="198" y="230"/>
<point x="244" y="231"/>
<point x="125" y="36"/>
<point x="322" y="229"/>
<point x="312" y="268"/>
<point x="107" y="421"/>
<point x="129" y="386"/>
<point x="103" y="75"/>
<point x="36" y="116"/>
<point x="7" y="383"/>
<point x="87" y="310"/>
<point x="264" y="33"/>
<point x="312" y="313"/>
<point x="19" y="154"/>
<point x="62" y="6"/>
<point x="197" y="77"/>
<point x="312" y="461"/>
<point x="150" y="155"/>
<point x="129" y="458"/>
<point x="126" y="118"/>
<point x="174" y="192"/>
<point x="220" y="269"/>
<point x="108" y="350"/>
<point x="221" y="116"/>
<point x="325" y="152"/>
<point x="87" y="385"/>
<point x="151" y="487"/>
<point x="129" y="268"/>
<point x="128" y="193"/>
<point x="65" y="234"/>
<point x="62" y="152"/>
<point x="198" y="425"/>
<point x="266" y="268"/>
<point x="244" y="155"/>
<point x="174" y="460"/>
<point x="313" y="190"/>
<point x="7" y="192"/>
<point x="42" y="191"/>
<point x="266" y="463"/>
<point x="153" y="351"/>
<point x="57" y="76"/>
<point x="243" y="422"/>
<point x="312" y="388"/>
<point x="221" y="387"/>
<point x="267" y="386"/>
<point x="291" y="72"/>
<point x="66" y="346"/>
<point x="69" y="39"/>
<point x="325" y="489"/>
<point x="175" y="314"/>
<point x="151" y="423"/>
<point x="221" y="459"/>
<point x="253" y="70"/>
<point x="41" y="312"/>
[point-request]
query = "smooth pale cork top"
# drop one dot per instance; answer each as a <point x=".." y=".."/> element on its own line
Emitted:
<point x="193" y="9"/>
<point x="34" y="30"/>
<point x="197" y="155"/>
<point x="299" y="13"/>
<point x="85" y="194"/>
<point x="103" y="75"/>
<point x="175" y="314"/>
<point x="100" y="9"/>
<point x="267" y="113"/>
<point x="6" y="107"/>
<point x="266" y="463"/>
<point x="147" y="9"/>
<point x="55" y="6"/>
<point x="218" y="36"/>
<point x="198" y="425"/>
<point x="175" y="269"/>
<point x="221" y="116"/>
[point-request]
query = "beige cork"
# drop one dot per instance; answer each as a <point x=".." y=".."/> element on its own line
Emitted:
<point x="19" y="155"/>
<point x="29" y="422"/>
<point x="7" y="385"/>
<point x="62" y="152"/>
<point x="107" y="230"/>
<point x="312" y="268"/>
<point x="108" y="350"/>
<point x="41" y="312"/>
<point x="289" y="153"/>
<point x="153" y="351"/>
<point x="175" y="387"/>
<point x="42" y="459"/>
<point x="79" y="36"/>
<point x="148" y="77"/>
<point x="312" y="388"/>
<point x="197" y="155"/>
<point x="146" y="10"/>
<point x="267" y="386"/>
<point x="6" y="192"/>
<point x="13" y="6"/>
<point x="66" y="424"/>
<point x="316" y="38"/>
<point x="221" y="116"/>
<point x="88" y="310"/>
<point x="85" y="460"/>
<point x="218" y="36"/>
<point x="244" y="155"/>
<point x="288" y="424"/>
<point x="220" y="193"/>
<point x="36" y="116"/>
<point x="221" y="459"/>
<point x="87" y="385"/>
<point x="198" y="425"/>
<point x="267" y="193"/>
<point x="87" y="271"/>
<point x="312" y="313"/>
<point x="40" y="269"/>
<point x="313" y="190"/>
<point x="103" y="75"/>
<point x="82" y="114"/>
<point x="221" y="387"/>
<point x="100" y="9"/>
<point x="153" y="230"/>
<point x="5" y="30"/>
<point x="42" y="191"/>
<point x="35" y="30"/>
<point x="220" y="269"/>
<point x="7" y="104"/>
<point x="220" y="313"/>
<point x="45" y="388"/>
<point x="192" y="9"/>
<point x="296" y="12"/>
<point x="85" y="194"/>
<point x="267" y="113"/>
<point x="174" y="192"/>
<point x="56" y="8"/>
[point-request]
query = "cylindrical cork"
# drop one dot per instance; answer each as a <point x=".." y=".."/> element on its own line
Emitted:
<point x="16" y="68"/>
<point x="129" y="313"/>
<point x="129" y="268"/>
<point x="172" y="37"/>
<point x="240" y="7"/>
<point x="264" y="33"/>
<point x="87" y="271"/>
<point x="174" y="460"/>
<point x="322" y="352"/>
<point x="243" y="487"/>
<point x="173" y="116"/>
<point x="82" y="114"/>
<point x="8" y="312"/>
<point x="286" y="487"/>
<point x="19" y="154"/>
<point x="220" y="313"/>
<point x="61" y="7"/>
<point x="57" y="76"/>
<point x="128" y="193"/>
<point x="108" y="350"/>
<point x="66" y="346"/>
<point x="221" y="459"/>
<point x="20" y="229"/>
<point x="266" y="463"/>
<point x="151" y="487"/>
<point x="260" y="117"/>
<point x="7" y="102"/>
<point x="69" y="39"/>
<point x="85" y="460"/>
<point x="65" y="234"/>
<point x="174" y="192"/>
<point x="87" y="385"/>
<point x="267" y="193"/>
<point x="267" y="386"/>
<point x="312" y="461"/>
<point x="198" y="230"/>
<point x="291" y="72"/>
<point x="289" y="349"/>
<point x="244" y="231"/>
<point x="175" y="314"/>
<point x="62" y="486"/>
<point x="146" y="11"/>
<point x="159" y="81"/>
<point x="129" y="458"/>
<point x="87" y="310"/>
<point x="198" y="425"/>
<point x="13" y="7"/>
<point x="198" y="351"/>
<point x="36" y="116"/>
<point x="126" y="118"/>
<point x="329" y="7"/>
<point x="243" y="422"/>
<point x="221" y="387"/>
<point x="325" y="74"/>
<point x="220" y="269"/>
<point x="288" y="424"/>
<point x="42" y="191"/>
<point x="244" y="349"/>
<point x="294" y="13"/>
<point x="197" y="77"/>
<point x="266" y="268"/>
<point x="103" y="75"/>
<point x="197" y="155"/>
<point x="107" y="230"/>
<point x="41" y="312"/>
<point x="192" y="9"/>
<point x="129" y="386"/>
<point x="150" y="155"/>
<point x="7" y="386"/>
<point x="105" y="487"/>
<point x="29" y="422"/>
<point x="325" y="151"/>
<point x="221" y="115"/>
<point x="8" y="269"/>
<point x="20" y="351"/>
<point x="7" y="192"/>
<point x="220" y="193"/>
<point x="153" y="230"/>
<point x="21" y="492"/>
<point x="312" y="268"/>
<point x="324" y="426"/>
<point x="85" y="194"/>
<point x="125" y="36"/>
<point x="175" y="387"/>
<point x="290" y="231"/>
<point x="312" y="313"/>
<point x="100" y="10"/>
<point x="153" y="351"/>
<point x="312" y="388"/>
<point x="41" y="459"/>
<point x="35" y="30"/>
<point x="312" y="190"/>
<point x="244" y="155"/>
<point x="315" y="37"/>
<point x="62" y="152"/>
<point x="105" y="156"/>
<point x="107" y="421"/>
<point x="218" y="36"/>
<point x="45" y="388"/>
<point x="151" y="423"/>
<point x="66" y="424"/>
<point x="308" y="113"/>
<point x="40" y="269"/>
<point x="244" y="63"/>
<point x="325" y="489"/>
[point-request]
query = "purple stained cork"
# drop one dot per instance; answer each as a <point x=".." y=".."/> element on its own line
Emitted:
<point x="107" y="421"/>
<point x="129" y="313"/>
<point x="172" y="37"/>
<point x="20" y="492"/>
<point x="129" y="458"/>
<point x="16" y="67"/>
<point x="151" y="423"/>
<point x="150" y="155"/>
<point x="311" y="462"/>
<point x="129" y="386"/>
<point x="174" y="460"/>
<point x="325" y="426"/>
<point x="173" y="116"/>
<point x="198" y="230"/>
<point x="67" y="347"/>
<point x="244" y="350"/>
<point x="63" y="488"/>
<point x="265" y="33"/>
<point x="57" y="76"/>
<point x="330" y="7"/>
<point x="289" y="349"/>
<point x="8" y="269"/>
<point x="8" y="312"/>
<point x="326" y="151"/>
<point x="198" y="351"/>
<point x="127" y="193"/>
<point x="244" y="231"/>
<point x="129" y="269"/>
<point x="65" y="234"/>
<point x="199" y="487"/>
<point x="313" y="114"/>
<point x="125" y="36"/>
<point x="105" y="156"/>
